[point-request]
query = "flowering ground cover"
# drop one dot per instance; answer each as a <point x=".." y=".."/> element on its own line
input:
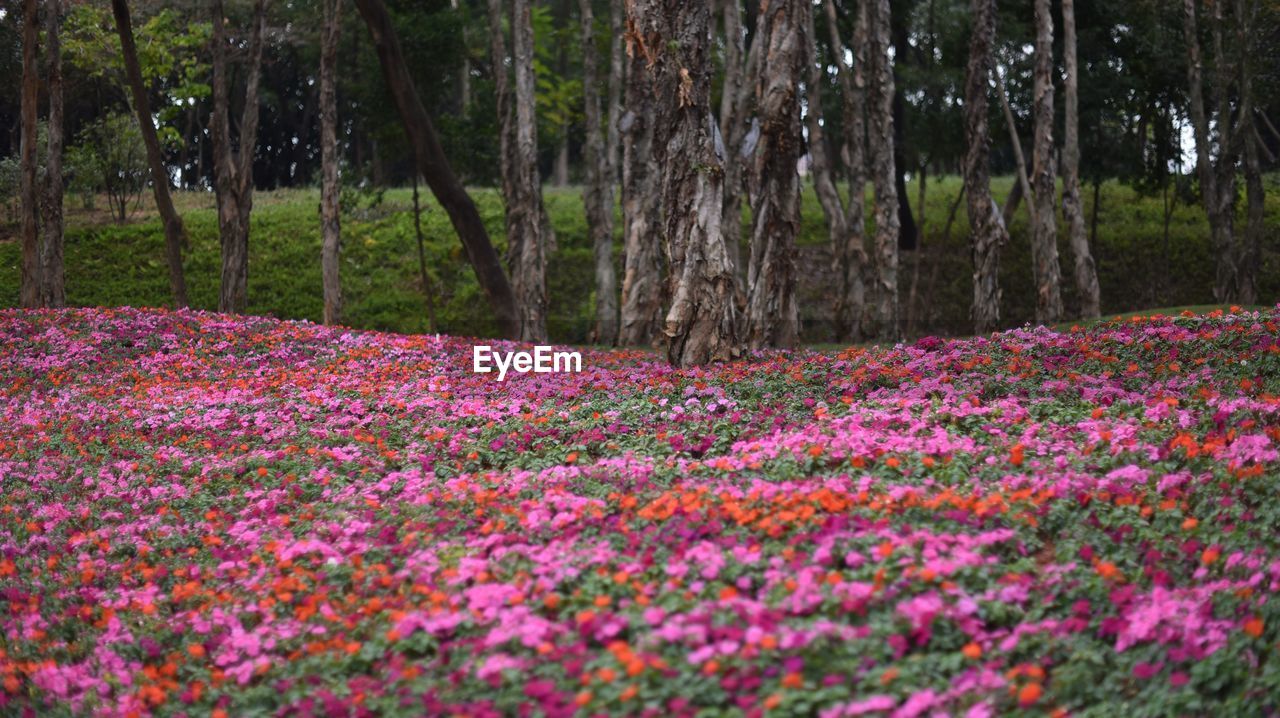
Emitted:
<point x="202" y="514"/>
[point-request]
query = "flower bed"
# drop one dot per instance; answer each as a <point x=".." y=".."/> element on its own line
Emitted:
<point x="238" y="516"/>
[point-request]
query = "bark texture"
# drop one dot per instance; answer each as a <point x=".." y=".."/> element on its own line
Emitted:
<point x="1250" y="252"/>
<point x="435" y="168"/>
<point x="987" y="231"/>
<point x="848" y="236"/>
<point x="31" y="281"/>
<point x="674" y="37"/>
<point x="526" y="241"/>
<point x="1044" y="234"/>
<point x="773" y="317"/>
<point x="1086" y="274"/>
<point x="54" y="289"/>
<point x="233" y="170"/>
<point x="735" y="111"/>
<point x="880" y="143"/>
<point x="174" y="233"/>
<point x="330" y="222"/>
<point x="642" y="289"/>
<point x="597" y="194"/>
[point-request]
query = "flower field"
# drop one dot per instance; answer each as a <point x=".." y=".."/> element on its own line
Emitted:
<point x="230" y="516"/>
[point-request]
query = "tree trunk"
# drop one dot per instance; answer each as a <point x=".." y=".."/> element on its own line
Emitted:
<point x="1251" y="248"/>
<point x="435" y="168"/>
<point x="673" y="36"/>
<point x="427" y="291"/>
<point x="734" y="128"/>
<point x="773" y="317"/>
<point x="1220" y="215"/>
<point x="1023" y="188"/>
<point x="464" y="70"/>
<point x="880" y="141"/>
<point x="597" y="193"/>
<point x="1085" y="271"/>
<point x="330" y="222"/>
<point x="526" y="244"/>
<point x="987" y="232"/>
<point x="174" y="233"/>
<point x="613" y="113"/>
<point x="849" y="246"/>
<point x="54" y="289"/>
<point x="1044" y="235"/>
<point x="31" y="282"/>
<point x="233" y="172"/>
<point x="502" y="97"/>
<point x="642" y="290"/>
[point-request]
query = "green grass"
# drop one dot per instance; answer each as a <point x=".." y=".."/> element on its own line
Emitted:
<point x="109" y="264"/>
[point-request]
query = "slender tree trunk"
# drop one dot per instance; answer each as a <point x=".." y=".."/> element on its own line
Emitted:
<point x="597" y="193"/>
<point x="464" y="70"/>
<point x="773" y="317"/>
<point x="1219" y="212"/>
<point x="987" y="231"/>
<point x="526" y="243"/>
<point x="434" y="167"/>
<point x="330" y="221"/>
<point x="613" y="113"/>
<point x="1023" y="188"/>
<point x="54" y="289"/>
<point x="1251" y="248"/>
<point x="174" y="233"/>
<point x="849" y="246"/>
<point x="642" y="289"/>
<point x="427" y="291"/>
<point x="880" y="141"/>
<point x="674" y="37"/>
<point x="1044" y="235"/>
<point x="1086" y="273"/>
<point x="31" y="282"/>
<point x="1013" y="199"/>
<point x="502" y="97"/>
<point x="233" y="172"/>
<point x="918" y="255"/>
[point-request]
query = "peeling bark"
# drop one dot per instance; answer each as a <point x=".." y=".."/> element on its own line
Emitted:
<point x="674" y="37"/>
<point x="987" y="231"/>
<point x="880" y="142"/>
<point x="330" y="221"/>
<point x="1086" y="274"/>
<point x="1044" y="235"/>
<point x="526" y="236"/>
<point x="773" y="317"/>
<point x="847" y="235"/>
<point x="735" y="108"/>
<point x="1255" y="194"/>
<point x="233" y="171"/>
<point x="54" y="288"/>
<point x="642" y="290"/>
<point x="597" y="193"/>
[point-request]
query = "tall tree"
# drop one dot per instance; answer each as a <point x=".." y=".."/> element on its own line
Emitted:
<point x="736" y="97"/>
<point x="31" y="281"/>
<point x="851" y="256"/>
<point x="435" y="168"/>
<point x="54" y="289"/>
<point x="233" y="170"/>
<point x="174" y="234"/>
<point x="1246" y="12"/>
<point x="1086" y="274"/>
<point x="597" y="195"/>
<point x="502" y="96"/>
<point x="772" y="313"/>
<point x="987" y="231"/>
<point x="880" y="141"/>
<point x="642" y="288"/>
<point x="330" y="222"/>
<point x="1044" y="235"/>
<point x="674" y="37"/>
<point x="526" y="240"/>
<point x="1217" y="175"/>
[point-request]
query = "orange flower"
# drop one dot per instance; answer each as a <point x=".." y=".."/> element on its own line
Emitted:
<point x="773" y="701"/>
<point x="583" y="698"/>
<point x="1016" y="455"/>
<point x="888" y="676"/>
<point x="1209" y="556"/>
<point x="1029" y="694"/>
<point x="793" y="680"/>
<point x="628" y="693"/>
<point x="572" y="457"/>
<point x="1108" y="570"/>
<point x="1189" y="524"/>
<point x="1254" y="627"/>
<point x="711" y="667"/>
<point x="972" y="651"/>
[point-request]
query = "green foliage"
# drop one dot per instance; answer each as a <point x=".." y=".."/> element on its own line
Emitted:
<point x="109" y="157"/>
